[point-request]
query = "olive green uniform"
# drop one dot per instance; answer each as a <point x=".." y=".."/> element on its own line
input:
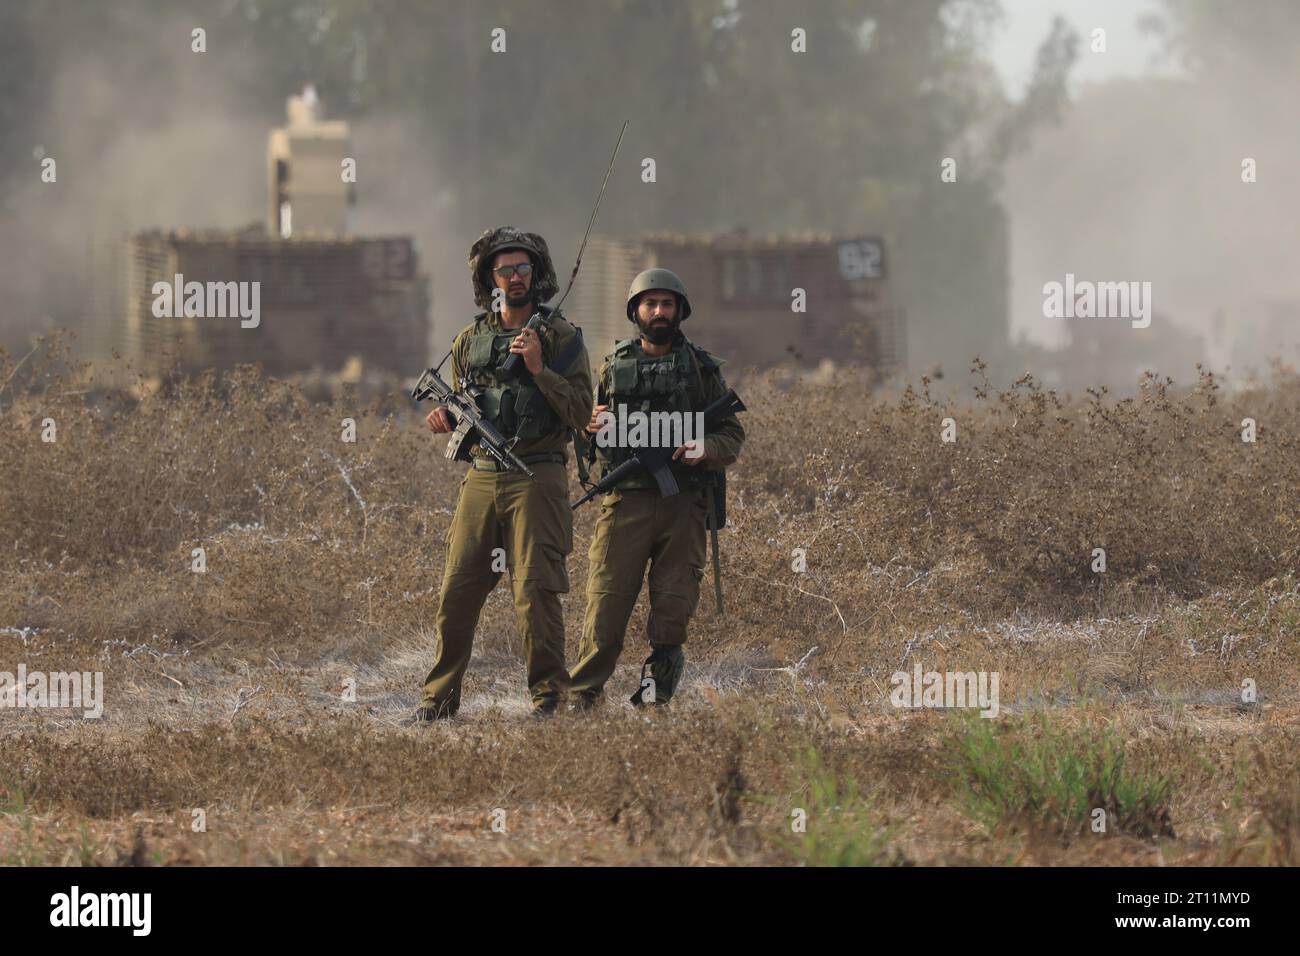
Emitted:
<point x="636" y="526"/>
<point x="529" y="519"/>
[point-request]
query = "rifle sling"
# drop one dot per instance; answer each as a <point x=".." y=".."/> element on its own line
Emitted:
<point x="558" y="365"/>
<point x="717" y="561"/>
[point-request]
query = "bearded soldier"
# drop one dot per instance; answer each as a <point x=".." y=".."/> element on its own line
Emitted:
<point x="504" y="518"/>
<point x="659" y="371"/>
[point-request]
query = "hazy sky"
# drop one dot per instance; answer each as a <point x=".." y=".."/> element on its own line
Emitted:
<point x="1032" y="186"/>
<point x="1128" y="51"/>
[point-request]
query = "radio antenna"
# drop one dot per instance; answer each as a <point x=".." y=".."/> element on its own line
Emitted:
<point x="582" y="248"/>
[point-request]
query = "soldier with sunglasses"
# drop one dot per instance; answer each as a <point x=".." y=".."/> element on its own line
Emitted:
<point x="505" y="513"/>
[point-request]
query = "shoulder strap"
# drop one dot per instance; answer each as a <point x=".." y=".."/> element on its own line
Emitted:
<point x="478" y="348"/>
<point x="706" y="360"/>
<point x="703" y="362"/>
<point x="569" y="353"/>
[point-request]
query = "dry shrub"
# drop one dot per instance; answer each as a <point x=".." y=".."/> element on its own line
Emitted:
<point x="1033" y="484"/>
<point x="310" y="538"/>
<point x="302" y="532"/>
<point x="1267" y="794"/>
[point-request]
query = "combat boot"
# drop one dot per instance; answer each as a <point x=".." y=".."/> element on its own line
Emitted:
<point x="583" y="702"/>
<point x="666" y="663"/>
<point x="428" y="713"/>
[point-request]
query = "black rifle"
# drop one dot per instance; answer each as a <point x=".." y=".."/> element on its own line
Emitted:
<point x="471" y="426"/>
<point x="658" y="461"/>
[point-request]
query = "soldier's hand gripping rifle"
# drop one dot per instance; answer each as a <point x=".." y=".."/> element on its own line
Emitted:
<point x="658" y="461"/>
<point x="471" y="426"/>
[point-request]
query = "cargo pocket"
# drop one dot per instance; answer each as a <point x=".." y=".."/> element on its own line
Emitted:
<point x="553" y="483"/>
<point x="547" y="569"/>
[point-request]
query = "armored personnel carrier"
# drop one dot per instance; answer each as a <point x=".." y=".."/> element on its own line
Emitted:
<point x="325" y="299"/>
<point x="761" y="301"/>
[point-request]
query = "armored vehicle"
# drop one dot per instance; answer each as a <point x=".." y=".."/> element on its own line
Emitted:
<point x="180" y="299"/>
<point x="758" y="301"/>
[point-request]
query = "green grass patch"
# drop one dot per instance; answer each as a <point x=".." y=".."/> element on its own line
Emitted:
<point x="838" y="826"/>
<point x="1037" y="768"/>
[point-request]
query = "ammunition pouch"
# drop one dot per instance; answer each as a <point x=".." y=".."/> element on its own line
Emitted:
<point x="647" y="385"/>
<point x="512" y="403"/>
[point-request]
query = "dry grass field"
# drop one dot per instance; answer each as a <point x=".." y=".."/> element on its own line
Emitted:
<point x="227" y="691"/>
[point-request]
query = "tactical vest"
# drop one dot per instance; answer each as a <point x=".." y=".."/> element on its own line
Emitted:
<point x="512" y="403"/>
<point x="648" y="383"/>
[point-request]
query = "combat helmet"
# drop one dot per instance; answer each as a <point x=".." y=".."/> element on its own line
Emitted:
<point x="497" y="240"/>
<point x="658" y="279"/>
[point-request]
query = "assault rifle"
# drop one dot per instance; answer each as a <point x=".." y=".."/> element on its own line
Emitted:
<point x="658" y="461"/>
<point x="471" y="426"/>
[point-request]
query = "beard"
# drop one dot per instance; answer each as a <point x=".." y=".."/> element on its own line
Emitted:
<point x="659" y="333"/>
<point x="514" y="299"/>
